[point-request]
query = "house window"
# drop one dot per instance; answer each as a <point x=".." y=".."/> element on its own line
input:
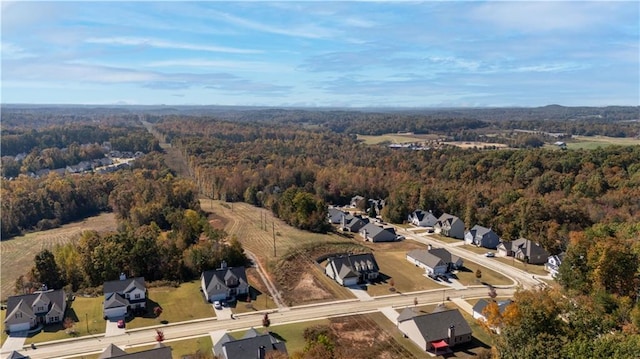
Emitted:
<point x="55" y="319"/>
<point x="18" y="315"/>
<point x="137" y="296"/>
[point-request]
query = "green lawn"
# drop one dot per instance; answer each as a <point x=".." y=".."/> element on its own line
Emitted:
<point x="173" y="300"/>
<point x="181" y="348"/>
<point x="87" y="315"/>
<point x="593" y="142"/>
<point x="406" y="276"/>
<point x="291" y="334"/>
<point x="467" y="276"/>
<point x="445" y="239"/>
<point x="475" y="249"/>
<point x="537" y="269"/>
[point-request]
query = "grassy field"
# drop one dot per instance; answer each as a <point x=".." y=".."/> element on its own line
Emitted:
<point x="592" y="142"/>
<point x="529" y="268"/>
<point x="445" y="239"/>
<point x="396" y="138"/>
<point x="17" y="253"/>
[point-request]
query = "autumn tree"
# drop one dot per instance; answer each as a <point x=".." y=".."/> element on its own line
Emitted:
<point x="46" y="270"/>
<point x="266" y="322"/>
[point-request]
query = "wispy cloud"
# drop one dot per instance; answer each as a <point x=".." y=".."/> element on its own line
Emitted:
<point x="163" y="44"/>
<point x="11" y="51"/>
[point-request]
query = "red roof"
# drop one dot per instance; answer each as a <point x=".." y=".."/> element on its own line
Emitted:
<point x="439" y="344"/>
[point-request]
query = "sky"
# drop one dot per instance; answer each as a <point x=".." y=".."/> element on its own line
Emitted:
<point x="322" y="54"/>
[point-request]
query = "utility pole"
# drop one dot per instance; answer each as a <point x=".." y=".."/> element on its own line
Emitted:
<point x="86" y="319"/>
<point x="273" y="226"/>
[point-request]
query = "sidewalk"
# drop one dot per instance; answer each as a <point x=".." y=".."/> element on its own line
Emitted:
<point x="359" y="292"/>
<point x="463" y="304"/>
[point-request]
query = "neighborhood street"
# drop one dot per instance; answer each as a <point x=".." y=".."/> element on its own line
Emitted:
<point x="95" y="344"/>
<point x="363" y="304"/>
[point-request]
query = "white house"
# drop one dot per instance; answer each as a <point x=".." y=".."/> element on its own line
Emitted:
<point x="422" y="218"/>
<point x="123" y="295"/>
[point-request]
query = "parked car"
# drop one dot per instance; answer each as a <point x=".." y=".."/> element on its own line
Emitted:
<point x="217" y="304"/>
<point x="490" y="254"/>
<point x="121" y="323"/>
<point x="400" y="238"/>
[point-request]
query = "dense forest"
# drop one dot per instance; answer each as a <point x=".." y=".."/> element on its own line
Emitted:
<point x="161" y="234"/>
<point x="295" y="162"/>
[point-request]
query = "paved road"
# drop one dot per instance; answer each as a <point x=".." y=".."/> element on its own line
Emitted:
<point x="196" y="328"/>
<point x="523" y="278"/>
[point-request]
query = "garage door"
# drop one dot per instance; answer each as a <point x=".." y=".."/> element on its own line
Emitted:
<point x="19" y="327"/>
<point x="115" y="312"/>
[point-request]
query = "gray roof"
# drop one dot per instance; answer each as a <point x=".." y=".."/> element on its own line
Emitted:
<point x="25" y="302"/>
<point x="406" y="314"/>
<point x="423" y="256"/>
<point x="356" y="223"/>
<point x="335" y="215"/>
<point x="124" y="286"/>
<point x="480" y="230"/>
<point x="215" y="281"/>
<point x="435" y="326"/>
<point x="250" y="348"/>
<point x="15" y="355"/>
<point x="446" y="217"/>
<point x="349" y="265"/>
<point x="115" y="300"/>
<point x="482" y="303"/>
<point x="528" y="247"/>
<point x="379" y="233"/>
<point x="158" y="352"/>
<point x="444" y="255"/>
<point x="112" y="351"/>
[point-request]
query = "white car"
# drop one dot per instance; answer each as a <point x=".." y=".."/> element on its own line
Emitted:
<point x="490" y="254"/>
<point x="217" y="304"/>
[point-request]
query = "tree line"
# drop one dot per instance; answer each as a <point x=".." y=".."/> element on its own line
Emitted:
<point x="540" y="194"/>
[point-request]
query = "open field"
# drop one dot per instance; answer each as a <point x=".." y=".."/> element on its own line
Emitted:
<point x="474" y="144"/>
<point x="530" y="268"/>
<point x="18" y="252"/>
<point x="592" y="142"/>
<point x="397" y="138"/>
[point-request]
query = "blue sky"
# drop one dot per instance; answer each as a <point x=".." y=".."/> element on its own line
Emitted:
<point x="357" y="54"/>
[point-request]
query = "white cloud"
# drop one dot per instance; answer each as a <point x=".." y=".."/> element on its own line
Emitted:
<point x="150" y="42"/>
<point x="11" y="51"/>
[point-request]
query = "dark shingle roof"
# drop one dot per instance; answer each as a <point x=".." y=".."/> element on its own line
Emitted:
<point x="124" y="286"/>
<point x="15" y="355"/>
<point x="115" y="300"/>
<point x="482" y="303"/>
<point x="435" y="326"/>
<point x="423" y="256"/>
<point x="214" y="280"/>
<point x="25" y="302"/>
<point x="248" y="348"/>
<point x="349" y="265"/>
<point x="162" y="352"/>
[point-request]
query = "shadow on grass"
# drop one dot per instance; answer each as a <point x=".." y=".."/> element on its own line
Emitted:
<point x="277" y="336"/>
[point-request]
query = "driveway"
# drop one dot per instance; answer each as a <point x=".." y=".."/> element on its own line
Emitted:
<point x="224" y="313"/>
<point x="359" y="292"/>
<point x="112" y="327"/>
<point x="15" y="341"/>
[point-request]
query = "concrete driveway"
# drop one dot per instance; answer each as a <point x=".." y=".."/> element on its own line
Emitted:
<point x="222" y="314"/>
<point x="15" y="341"/>
<point x="112" y="327"/>
<point x="359" y="292"/>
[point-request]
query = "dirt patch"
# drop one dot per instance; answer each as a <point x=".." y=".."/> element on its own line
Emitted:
<point x="360" y="337"/>
<point x="310" y="289"/>
<point x="216" y="221"/>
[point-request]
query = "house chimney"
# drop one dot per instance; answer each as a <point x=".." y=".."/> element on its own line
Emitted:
<point x="429" y="246"/>
<point x="452" y="334"/>
<point x="123" y="276"/>
<point x="261" y="352"/>
<point x="44" y="287"/>
<point x="223" y="265"/>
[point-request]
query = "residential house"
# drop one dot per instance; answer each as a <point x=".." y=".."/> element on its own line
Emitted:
<point x="553" y="264"/>
<point x="450" y="226"/>
<point x="351" y="269"/>
<point x="224" y="283"/>
<point x="335" y="216"/>
<point x="435" y="331"/>
<point x="434" y="261"/>
<point x="15" y="355"/>
<point x="524" y="250"/>
<point x="251" y="346"/>
<point x="159" y="351"/>
<point x="30" y="310"/>
<point x="422" y="218"/>
<point x="123" y="295"/>
<point x="373" y="233"/>
<point x="355" y="201"/>
<point x="353" y="224"/>
<point x="482" y="237"/>
<point x="479" y="310"/>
